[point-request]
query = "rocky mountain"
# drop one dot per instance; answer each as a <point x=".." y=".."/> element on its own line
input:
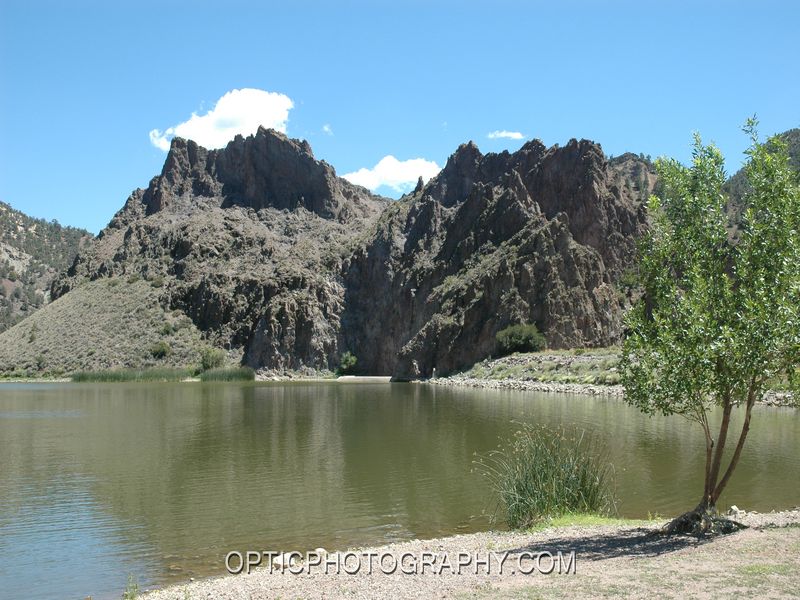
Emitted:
<point x="538" y="236"/>
<point x="247" y="242"/>
<point x="287" y="266"/>
<point x="32" y="253"/>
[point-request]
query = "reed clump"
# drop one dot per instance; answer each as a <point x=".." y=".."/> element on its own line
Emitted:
<point x="228" y="374"/>
<point x="546" y="473"/>
<point x="125" y="375"/>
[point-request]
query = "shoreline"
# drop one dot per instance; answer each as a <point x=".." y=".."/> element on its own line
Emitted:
<point x="590" y="372"/>
<point x="36" y="380"/>
<point x="527" y="385"/>
<point x="755" y="560"/>
<point x="770" y="398"/>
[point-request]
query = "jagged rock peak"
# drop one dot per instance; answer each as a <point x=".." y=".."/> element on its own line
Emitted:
<point x="185" y="153"/>
<point x="465" y="154"/>
<point x="467" y="166"/>
<point x="535" y="146"/>
<point x="264" y="170"/>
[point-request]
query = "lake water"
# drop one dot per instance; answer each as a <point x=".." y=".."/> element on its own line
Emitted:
<point x="162" y="480"/>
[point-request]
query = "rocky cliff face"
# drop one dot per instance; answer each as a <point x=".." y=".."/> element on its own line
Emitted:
<point x="271" y="254"/>
<point x="537" y="236"/>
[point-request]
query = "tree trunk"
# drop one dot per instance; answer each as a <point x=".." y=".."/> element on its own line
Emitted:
<point x="702" y="418"/>
<point x="751" y="399"/>
<point x="721" y="439"/>
<point x="704" y="520"/>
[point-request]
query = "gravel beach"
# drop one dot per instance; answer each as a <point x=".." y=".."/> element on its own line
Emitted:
<point x="587" y="389"/>
<point x="609" y="560"/>
<point x="770" y="398"/>
<point x="591" y="373"/>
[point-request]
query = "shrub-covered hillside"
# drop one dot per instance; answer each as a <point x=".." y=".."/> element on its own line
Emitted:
<point x="111" y="323"/>
<point x="32" y="252"/>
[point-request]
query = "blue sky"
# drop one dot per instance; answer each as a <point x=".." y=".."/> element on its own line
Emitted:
<point x="83" y="84"/>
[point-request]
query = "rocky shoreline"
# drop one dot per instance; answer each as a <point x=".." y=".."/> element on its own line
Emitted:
<point x="533" y="379"/>
<point x="586" y="389"/>
<point x="770" y="398"/>
<point x="753" y="561"/>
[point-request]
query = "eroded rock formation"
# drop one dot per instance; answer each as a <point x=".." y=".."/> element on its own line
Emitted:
<point x="270" y="253"/>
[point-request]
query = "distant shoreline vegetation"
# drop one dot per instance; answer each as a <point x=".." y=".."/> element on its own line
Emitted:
<point x="122" y="375"/>
<point x="162" y="375"/>
<point x="229" y="374"/>
<point x="577" y="366"/>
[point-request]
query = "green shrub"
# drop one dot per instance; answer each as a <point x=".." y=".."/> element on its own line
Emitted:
<point x="181" y="323"/>
<point x="235" y="374"/>
<point x="520" y="338"/>
<point x="160" y="349"/>
<point x="547" y="473"/>
<point x="347" y="364"/>
<point x="211" y="358"/>
<point x="131" y="591"/>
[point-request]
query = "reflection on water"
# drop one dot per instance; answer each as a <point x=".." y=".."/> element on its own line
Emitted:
<point x="162" y="480"/>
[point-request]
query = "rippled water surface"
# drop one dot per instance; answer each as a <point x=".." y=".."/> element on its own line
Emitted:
<point x="162" y="480"/>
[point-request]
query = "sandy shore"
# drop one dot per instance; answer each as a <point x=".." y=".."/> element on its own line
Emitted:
<point x="763" y="561"/>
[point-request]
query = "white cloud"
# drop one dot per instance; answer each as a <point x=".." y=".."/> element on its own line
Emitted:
<point x="327" y="129"/>
<point x="237" y="112"/>
<point x="399" y="175"/>
<point x="509" y="135"/>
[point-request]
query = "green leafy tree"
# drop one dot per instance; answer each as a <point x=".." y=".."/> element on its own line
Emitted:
<point x="347" y="364"/>
<point x="720" y="313"/>
<point x="520" y="338"/>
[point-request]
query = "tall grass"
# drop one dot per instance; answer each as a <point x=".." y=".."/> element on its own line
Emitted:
<point x="544" y="473"/>
<point x="121" y="375"/>
<point x="235" y="374"/>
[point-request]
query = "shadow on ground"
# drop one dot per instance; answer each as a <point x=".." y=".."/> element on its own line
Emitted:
<point x="631" y="543"/>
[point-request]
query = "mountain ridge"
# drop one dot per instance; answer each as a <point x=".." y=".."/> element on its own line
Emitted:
<point x="285" y="265"/>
